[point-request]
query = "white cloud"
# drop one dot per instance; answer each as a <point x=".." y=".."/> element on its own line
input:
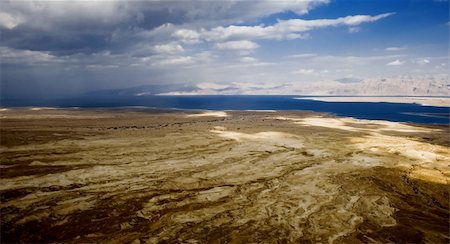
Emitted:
<point x="237" y="45"/>
<point x="303" y="55"/>
<point x="354" y="29"/>
<point x="168" y="48"/>
<point x="284" y="29"/>
<point x="395" y="48"/>
<point x="10" y="21"/>
<point x="177" y="60"/>
<point x="205" y="56"/>
<point x="395" y="63"/>
<point x="422" y="61"/>
<point x="359" y="19"/>
<point x="249" y="59"/>
<point x="9" y="55"/>
<point x="188" y="36"/>
<point x="351" y="61"/>
<point x="304" y="71"/>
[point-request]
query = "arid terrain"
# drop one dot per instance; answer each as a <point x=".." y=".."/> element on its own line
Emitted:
<point x="147" y="176"/>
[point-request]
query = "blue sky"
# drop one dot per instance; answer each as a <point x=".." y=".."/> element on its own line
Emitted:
<point x="65" y="48"/>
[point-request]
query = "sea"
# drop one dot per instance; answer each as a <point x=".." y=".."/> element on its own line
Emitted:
<point x="398" y="112"/>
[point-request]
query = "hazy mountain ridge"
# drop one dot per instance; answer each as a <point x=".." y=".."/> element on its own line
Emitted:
<point x="436" y="85"/>
<point x="402" y="85"/>
<point x="406" y="85"/>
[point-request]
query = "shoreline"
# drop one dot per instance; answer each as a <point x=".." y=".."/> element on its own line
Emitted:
<point x="48" y="111"/>
<point x="421" y="100"/>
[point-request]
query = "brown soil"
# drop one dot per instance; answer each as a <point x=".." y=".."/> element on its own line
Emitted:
<point x="121" y="176"/>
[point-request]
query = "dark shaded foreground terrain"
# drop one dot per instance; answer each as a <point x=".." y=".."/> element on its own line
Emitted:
<point x="145" y="176"/>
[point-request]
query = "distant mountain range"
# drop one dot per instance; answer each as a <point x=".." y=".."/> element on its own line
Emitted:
<point x="437" y="85"/>
<point x="402" y="85"/>
<point x="426" y="85"/>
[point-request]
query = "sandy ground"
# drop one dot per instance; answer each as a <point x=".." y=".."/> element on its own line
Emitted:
<point x="142" y="176"/>
<point x="426" y="101"/>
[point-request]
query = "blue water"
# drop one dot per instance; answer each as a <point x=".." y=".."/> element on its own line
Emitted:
<point x="400" y="112"/>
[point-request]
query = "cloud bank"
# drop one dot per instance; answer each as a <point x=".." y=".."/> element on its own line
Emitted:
<point x="59" y="48"/>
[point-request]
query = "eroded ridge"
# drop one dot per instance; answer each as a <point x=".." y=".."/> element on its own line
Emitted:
<point x="154" y="176"/>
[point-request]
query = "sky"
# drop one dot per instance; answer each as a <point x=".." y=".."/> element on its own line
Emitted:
<point x="67" y="48"/>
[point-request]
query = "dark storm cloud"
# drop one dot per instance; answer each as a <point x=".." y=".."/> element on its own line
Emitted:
<point x="59" y="42"/>
<point x="65" y="27"/>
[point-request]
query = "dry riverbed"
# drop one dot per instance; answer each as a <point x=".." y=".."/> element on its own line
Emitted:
<point x="146" y="176"/>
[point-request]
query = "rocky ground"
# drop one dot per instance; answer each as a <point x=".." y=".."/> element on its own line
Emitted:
<point x="143" y="176"/>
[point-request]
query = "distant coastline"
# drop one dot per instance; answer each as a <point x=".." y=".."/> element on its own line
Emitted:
<point x="397" y="109"/>
<point x="425" y="101"/>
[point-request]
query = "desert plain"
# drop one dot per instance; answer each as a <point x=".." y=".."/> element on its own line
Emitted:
<point x="151" y="176"/>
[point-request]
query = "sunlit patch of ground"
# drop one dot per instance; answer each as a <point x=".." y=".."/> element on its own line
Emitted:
<point x="433" y="159"/>
<point x="242" y="176"/>
<point x="209" y="114"/>
<point x="41" y="108"/>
